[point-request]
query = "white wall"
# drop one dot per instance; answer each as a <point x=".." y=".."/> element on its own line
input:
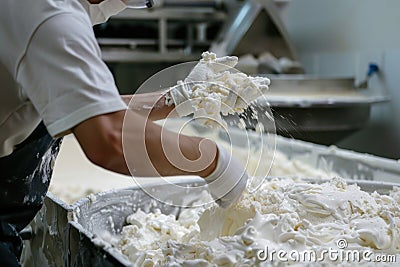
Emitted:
<point x="340" y="37"/>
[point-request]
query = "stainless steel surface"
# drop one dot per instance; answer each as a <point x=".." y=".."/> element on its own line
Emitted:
<point x="164" y="34"/>
<point x="237" y="38"/>
<point x="348" y="164"/>
<point x="106" y="216"/>
<point x="317" y="91"/>
<point x="172" y="13"/>
<point x="318" y="124"/>
<point x="191" y="3"/>
<point x="50" y="236"/>
<point x="113" y="55"/>
<point x="310" y="83"/>
<point x="318" y="109"/>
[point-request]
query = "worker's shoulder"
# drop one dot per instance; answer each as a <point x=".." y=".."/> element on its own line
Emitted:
<point x="33" y="13"/>
<point x="68" y="17"/>
<point x="20" y="20"/>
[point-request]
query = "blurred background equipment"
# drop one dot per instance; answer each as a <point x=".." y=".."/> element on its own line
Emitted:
<point x="138" y="43"/>
<point x="312" y="99"/>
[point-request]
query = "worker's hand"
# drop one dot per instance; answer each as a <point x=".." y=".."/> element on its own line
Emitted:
<point x="180" y="95"/>
<point x="235" y="89"/>
<point x="209" y="66"/>
<point x="227" y="182"/>
<point x="240" y="98"/>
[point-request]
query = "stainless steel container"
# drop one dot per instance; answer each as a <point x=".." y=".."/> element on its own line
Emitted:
<point x="59" y="239"/>
<point x="318" y="109"/>
<point x="49" y="242"/>
<point x="106" y="216"/>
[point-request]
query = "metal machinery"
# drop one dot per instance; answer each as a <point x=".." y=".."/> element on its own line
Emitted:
<point x="176" y="31"/>
<point x="138" y="43"/>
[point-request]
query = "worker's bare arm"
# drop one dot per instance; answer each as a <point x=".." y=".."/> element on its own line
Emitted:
<point x="151" y="105"/>
<point x="145" y="144"/>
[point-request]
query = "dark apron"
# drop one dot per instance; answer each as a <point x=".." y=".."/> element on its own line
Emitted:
<point x="24" y="181"/>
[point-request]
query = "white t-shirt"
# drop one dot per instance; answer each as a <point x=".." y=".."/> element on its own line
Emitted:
<point x="50" y="70"/>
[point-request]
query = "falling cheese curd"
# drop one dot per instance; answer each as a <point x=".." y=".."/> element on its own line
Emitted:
<point x="216" y="88"/>
<point x="299" y="220"/>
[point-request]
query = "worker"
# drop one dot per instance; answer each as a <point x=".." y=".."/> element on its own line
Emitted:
<point x="53" y="82"/>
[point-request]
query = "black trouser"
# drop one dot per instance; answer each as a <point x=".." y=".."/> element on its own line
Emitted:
<point x="24" y="181"/>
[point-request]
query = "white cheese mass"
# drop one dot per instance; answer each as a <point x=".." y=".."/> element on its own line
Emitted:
<point x="214" y="87"/>
<point x="285" y="215"/>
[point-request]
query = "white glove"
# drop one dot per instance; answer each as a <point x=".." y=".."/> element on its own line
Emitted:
<point x="235" y="90"/>
<point x="227" y="182"/>
<point x="180" y="95"/>
<point x="208" y="66"/>
<point x="254" y="88"/>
